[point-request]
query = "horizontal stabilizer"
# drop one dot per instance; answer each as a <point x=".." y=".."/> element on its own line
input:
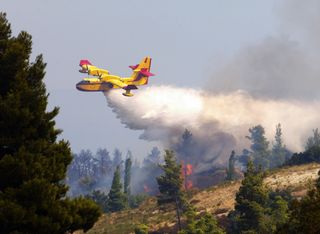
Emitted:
<point x="145" y="72"/>
<point x="84" y="62"/>
<point x="133" y="67"/>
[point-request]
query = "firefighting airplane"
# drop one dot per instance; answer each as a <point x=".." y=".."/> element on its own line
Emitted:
<point x="105" y="81"/>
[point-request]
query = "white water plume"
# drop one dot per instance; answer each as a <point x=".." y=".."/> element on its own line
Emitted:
<point x="163" y="112"/>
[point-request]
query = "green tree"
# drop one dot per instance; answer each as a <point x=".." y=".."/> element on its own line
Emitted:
<point x="33" y="163"/>
<point x="279" y="213"/>
<point x="153" y="158"/>
<point x="127" y="176"/>
<point x="313" y="140"/>
<point x="141" y="229"/>
<point x="259" y="145"/>
<point x="116" y="198"/>
<point x="100" y="198"/>
<point x="278" y="154"/>
<point x="231" y="168"/>
<point x="185" y="149"/>
<point x="250" y="213"/>
<point x="170" y="183"/>
<point x="305" y="214"/>
<point x="200" y="225"/>
<point x="257" y="210"/>
<point x="310" y="155"/>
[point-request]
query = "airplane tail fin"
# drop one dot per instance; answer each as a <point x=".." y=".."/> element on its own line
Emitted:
<point x="141" y="71"/>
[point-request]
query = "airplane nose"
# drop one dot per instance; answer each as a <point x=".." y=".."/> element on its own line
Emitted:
<point x="78" y="86"/>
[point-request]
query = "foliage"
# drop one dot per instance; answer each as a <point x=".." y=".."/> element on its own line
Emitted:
<point x="117" y="158"/>
<point x="88" y="172"/>
<point x="170" y="183"/>
<point x="200" y="225"/>
<point x="127" y="176"/>
<point x="310" y="155"/>
<point x="305" y="214"/>
<point x="116" y="198"/>
<point x="257" y="210"/>
<point x="136" y="200"/>
<point x="153" y="158"/>
<point x="144" y="178"/>
<point x="231" y="168"/>
<point x="313" y="140"/>
<point x="250" y="202"/>
<point x="100" y="198"/>
<point x="260" y="153"/>
<point x="141" y="229"/>
<point x="33" y="163"/>
<point x="186" y="147"/>
<point x="85" y="213"/>
<point x="279" y="151"/>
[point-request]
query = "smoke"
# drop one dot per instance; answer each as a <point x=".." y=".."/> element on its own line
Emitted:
<point x="276" y="68"/>
<point x="219" y="123"/>
<point x="283" y="66"/>
<point x="274" y="81"/>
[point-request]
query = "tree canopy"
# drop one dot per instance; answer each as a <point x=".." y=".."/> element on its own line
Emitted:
<point x="33" y="163"/>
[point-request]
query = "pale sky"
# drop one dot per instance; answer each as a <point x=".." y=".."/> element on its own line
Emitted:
<point x="187" y="40"/>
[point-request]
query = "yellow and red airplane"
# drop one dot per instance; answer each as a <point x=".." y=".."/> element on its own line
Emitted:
<point x="104" y="81"/>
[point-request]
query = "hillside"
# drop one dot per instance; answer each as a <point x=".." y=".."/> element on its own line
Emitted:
<point x="218" y="200"/>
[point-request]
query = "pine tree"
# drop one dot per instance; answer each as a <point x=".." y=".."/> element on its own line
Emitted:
<point x="313" y="141"/>
<point x="250" y="212"/>
<point x="127" y="176"/>
<point x="305" y="214"/>
<point x="153" y="158"/>
<point x="117" y="159"/>
<point x="186" y="148"/>
<point x="278" y="154"/>
<point x="116" y="198"/>
<point x="105" y="162"/>
<point x="33" y="163"/>
<point x="204" y="224"/>
<point x="259" y="146"/>
<point x="170" y="184"/>
<point x="231" y="168"/>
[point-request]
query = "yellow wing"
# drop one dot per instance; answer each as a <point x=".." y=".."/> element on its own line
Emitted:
<point x="87" y="67"/>
<point x="118" y="83"/>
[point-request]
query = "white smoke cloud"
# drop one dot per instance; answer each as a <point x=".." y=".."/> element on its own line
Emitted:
<point x="222" y="120"/>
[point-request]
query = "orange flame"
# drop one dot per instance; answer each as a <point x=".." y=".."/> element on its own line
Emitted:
<point x="146" y="189"/>
<point x="188" y="169"/>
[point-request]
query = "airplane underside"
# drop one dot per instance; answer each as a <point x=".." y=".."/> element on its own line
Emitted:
<point x="95" y="87"/>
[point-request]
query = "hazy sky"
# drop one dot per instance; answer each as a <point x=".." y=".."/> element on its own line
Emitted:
<point x="187" y="40"/>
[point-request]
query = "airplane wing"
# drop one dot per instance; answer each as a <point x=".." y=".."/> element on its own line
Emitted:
<point x="121" y="84"/>
<point x="117" y="82"/>
<point x="87" y="67"/>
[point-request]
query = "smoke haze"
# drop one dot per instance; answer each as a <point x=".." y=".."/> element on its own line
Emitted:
<point x="219" y="123"/>
<point x="274" y="81"/>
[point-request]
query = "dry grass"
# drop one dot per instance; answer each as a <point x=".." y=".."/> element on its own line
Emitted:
<point x="218" y="200"/>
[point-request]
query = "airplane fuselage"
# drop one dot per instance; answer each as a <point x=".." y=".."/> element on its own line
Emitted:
<point x="94" y="86"/>
<point x="99" y="85"/>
